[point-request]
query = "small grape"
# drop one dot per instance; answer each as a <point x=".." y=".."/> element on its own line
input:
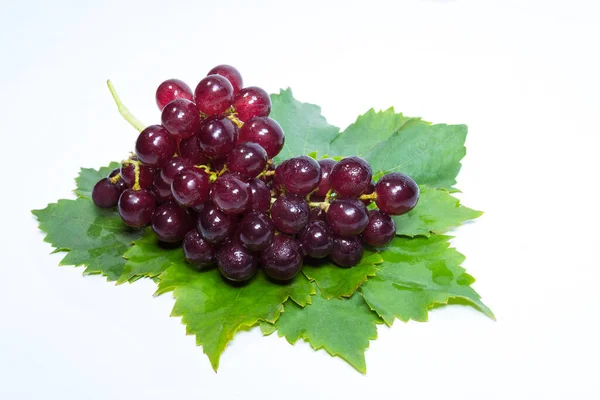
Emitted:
<point x="170" y="90"/>
<point x="397" y="193"/>
<point x="327" y="165"/>
<point x="198" y="251"/>
<point x="249" y="159"/>
<point x="181" y="118"/>
<point x="256" y="231"/>
<point x="174" y="167"/>
<point x="191" y="187"/>
<point x="231" y="193"/>
<point x="318" y="214"/>
<point x="190" y="150"/>
<point x="214" y="225"/>
<point x="171" y="222"/>
<point x="282" y="260"/>
<point x="233" y="76"/>
<point x="252" y="102"/>
<point x="350" y="177"/>
<point x="106" y="194"/>
<point x="316" y="239"/>
<point x="266" y="132"/>
<point x="136" y="207"/>
<point x="380" y="230"/>
<point x="290" y="213"/>
<point x="161" y="190"/>
<point x="236" y="262"/>
<point x="213" y="95"/>
<point x="155" y="146"/>
<point x="119" y="182"/>
<point x="145" y="178"/>
<point x="347" y="217"/>
<point x="260" y="196"/>
<point x="347" y="252"/>
<point x="299" y="175"/>
<point x="217" y="136"/>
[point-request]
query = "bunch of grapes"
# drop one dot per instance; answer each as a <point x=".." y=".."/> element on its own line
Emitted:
<point x="205" y="178"/>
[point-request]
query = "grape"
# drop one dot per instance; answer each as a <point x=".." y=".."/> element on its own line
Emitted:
<point x="380" y="230"/>
<point x="217" y="136"/>
<point x="252" y="102"/>
<point x="290" y="213"/>
<point x="256" y="231"/>
<point x="145" y="178"/>
<point x="260" y="196"/>
<point x="181" y="118"/>
<point x="370" y="189"/>
<point x="190" y="150"/>
<point x="214" y="225"/>
<point x="231" y="193"/>
<point x="119" y="182"/>
<point x="282" y="260"/>
<point x="347" y="217"/>
<point x="106" y="194"/>
<point x="136" y="207"/>
<point x="248" y="159"/>
<point x="170" y="90"/>
<point x="326" y="165"/>
<point x="264" y="131"/>
<point x="347" y="252"/>
<point x="198" y="251"/>
<point x="171" y="222"/>
<point x="299" y="175"/>
<point x="233" y="76"/>
<point x="155" y="146"/>
<point x="316" y="239"/>
<point x="213" y="95"/>
<point x="397" y="194"/>
<point x="191" y="187"/>
<point x="174" y="167"/>
<point x="161" y="190"/>
<point x="236" y="262"/>
<point x="350" y="177"/>
<point x="318" y="214"/>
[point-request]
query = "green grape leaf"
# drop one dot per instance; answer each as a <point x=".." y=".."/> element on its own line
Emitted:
<point x="88" y="177"/>
<point x="436" y="212"/>
<point x="334" y="281"/>
<point x="343" y="327"/>
<point x="305" y="128"/>
<point x="214" y="310"/>
<point x="94" y="237"/>
<point x="149" y="258"/>
<point x="417" y="274"/>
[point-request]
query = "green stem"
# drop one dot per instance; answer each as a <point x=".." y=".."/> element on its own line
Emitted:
<point x="136" y="123"/>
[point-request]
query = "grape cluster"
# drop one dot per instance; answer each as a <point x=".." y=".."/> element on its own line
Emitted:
<point x="205" y="178"/>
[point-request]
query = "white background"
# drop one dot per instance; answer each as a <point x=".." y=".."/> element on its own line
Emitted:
<point x="524" y="75"/>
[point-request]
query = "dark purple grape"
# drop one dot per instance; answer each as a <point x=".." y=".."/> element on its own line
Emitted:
<point x="252" y="102"/>
<point x="370" y="189"/>
<point x="174" y="167"/>
<point x="248" y="159"/>
<point x="217" y="136"/>
<point x="380" y="230"/>
<point x="233" y="76"/>
<point x="397" y="193"/>
<point x="231" y="193"/>
<point x="181" y="118"/>
<point x="145" y="177"/>
<point x="191" y="187"/>
<point x="136" y="207"/>
<point x="213" y="95"/>
<point x="347" y="252"/>
<point x="327" y="165"/>
<point x="260" y="196"/>
<point x="316" y="239"/>
<point x="161" y="190"/>
<point x="347" y="217"/>
<point x="171" y="222"/>
<point x="155" y="146"/>
<point x="299" y="175"/>
<point x="256" y="231"/>
<point x="318" y="214"/>
<point x="266" y="132"/>
<point x="170" y="90"/>
<point x="236" y="262"/>
<point x="105" y="193"/>
<point x="198" y="251"/>
<point x="118" y="182"/>
<point x="214" y="225"/>
<point x="282" y="260"/>
<point x="190" y="150"/>
<point x="290" y="213"/>
<point x="350" y="177"/>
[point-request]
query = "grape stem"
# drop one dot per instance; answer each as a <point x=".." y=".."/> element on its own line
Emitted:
<point x="235" y="120"/>
<point x="372" y="196"/>
<point x="321" y="204"/>
<point x="115" y="178"/>
<point x="125" y="113"/>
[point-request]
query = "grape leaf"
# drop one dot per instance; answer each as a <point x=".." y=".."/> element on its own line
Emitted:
<point x="88" y="177"/>
<point x="334" y="281"/>
<point x="93" y="237"/>
<point x="149" y="258"/>
<point x="417" y="274"/>
<point x="305" y="128"/>
<point x="436" y="212"/>
<point x="343" y="327"/>
<point x="214" y="310"/>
